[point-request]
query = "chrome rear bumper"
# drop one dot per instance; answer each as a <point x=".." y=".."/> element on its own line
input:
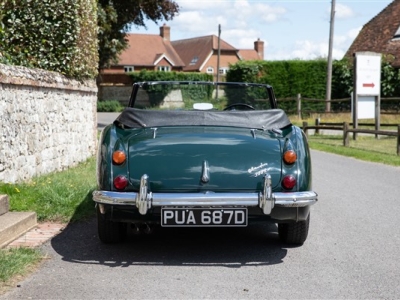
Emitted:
<point x="266" y="200"/>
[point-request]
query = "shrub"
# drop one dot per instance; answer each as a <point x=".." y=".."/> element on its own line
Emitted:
<point x="145" y="75"/>
<point x="109" y="106"/>
<point x="54" y="35"/>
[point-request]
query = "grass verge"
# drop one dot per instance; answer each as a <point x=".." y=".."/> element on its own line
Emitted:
<point x="15" y="263"/>
<point x="367" y="148"/>
<point x="60" y="197"/>
<point x="63" y="196"/>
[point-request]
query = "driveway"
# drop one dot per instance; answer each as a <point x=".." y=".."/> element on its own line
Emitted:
<point x="103" y="119"/>
<point x="351" y="251"/>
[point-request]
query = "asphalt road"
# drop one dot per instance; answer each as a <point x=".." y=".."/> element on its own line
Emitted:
<point x="351" y="251"/>
<point x="103" y="119"/>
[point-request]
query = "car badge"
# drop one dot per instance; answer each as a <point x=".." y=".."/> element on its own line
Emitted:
<point x="258" y="170"/>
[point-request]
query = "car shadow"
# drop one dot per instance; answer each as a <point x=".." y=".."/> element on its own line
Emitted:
<point x="255" y="245"/>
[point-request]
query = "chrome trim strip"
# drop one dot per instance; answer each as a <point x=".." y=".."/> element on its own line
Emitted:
<point x="266" y="200"/>
<point x="295" y="199"/>
<point x="205" y="199"/>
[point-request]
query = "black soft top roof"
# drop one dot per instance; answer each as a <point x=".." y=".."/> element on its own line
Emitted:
<point x="254" y="119"/>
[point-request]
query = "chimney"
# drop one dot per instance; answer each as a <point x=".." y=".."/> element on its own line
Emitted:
<point x="165" y="32"/>
<point x="259" y="47"/>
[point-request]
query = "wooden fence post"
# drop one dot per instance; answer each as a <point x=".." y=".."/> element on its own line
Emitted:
<point x="398" y="140"/>
<point x="305" y="129"/>
<point x="345" y="134"/>
<point x="317" y="121"/>
<point x="298" y="101"/>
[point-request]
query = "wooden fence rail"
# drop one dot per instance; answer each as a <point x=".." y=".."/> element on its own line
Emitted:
<point x="346" y="130"/>
<point x="299" y="110"/>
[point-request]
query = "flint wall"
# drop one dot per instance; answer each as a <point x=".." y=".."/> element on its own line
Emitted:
<point x="47" y="122"/>
<point x="117" y="92"/>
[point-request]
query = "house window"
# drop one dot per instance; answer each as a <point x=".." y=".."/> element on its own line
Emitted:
<point x="223" y="71"/>
<point x="129" y="68"/>
<point x="164" y="68"/>
<point x="194" y="60"/>
<point x="210" y="70"/>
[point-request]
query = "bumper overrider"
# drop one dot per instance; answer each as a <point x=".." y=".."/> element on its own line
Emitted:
<point x="266" y="200"/>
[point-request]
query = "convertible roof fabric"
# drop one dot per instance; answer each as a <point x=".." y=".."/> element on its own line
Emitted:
<point x="254" y="119"/>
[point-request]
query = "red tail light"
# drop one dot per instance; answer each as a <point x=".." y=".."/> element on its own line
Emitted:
<point x="289" y="182"/>
<point x="120" y="182"/>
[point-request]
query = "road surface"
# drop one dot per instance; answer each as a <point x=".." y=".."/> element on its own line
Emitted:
<point x="351" y="251"/>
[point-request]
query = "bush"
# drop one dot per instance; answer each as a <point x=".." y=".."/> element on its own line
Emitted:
<point x="288" y="78"/>
<point x="53" y="35"/>
<point x="145" y="75"/>
<point x="308" y="77"/>
<point x="109" y="106"/>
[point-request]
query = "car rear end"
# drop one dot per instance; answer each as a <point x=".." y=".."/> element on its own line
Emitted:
<point x="201" y="173"/>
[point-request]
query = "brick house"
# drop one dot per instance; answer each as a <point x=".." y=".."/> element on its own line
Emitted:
<point x="147" y="51"/>
<point x="381" y="34"/>
<point x="200" y="54"/>
<point x="158" y="53"/>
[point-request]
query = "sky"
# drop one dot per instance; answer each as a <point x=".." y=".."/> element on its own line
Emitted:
<point x="290" y="29"/>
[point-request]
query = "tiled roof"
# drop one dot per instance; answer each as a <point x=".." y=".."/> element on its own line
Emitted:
<point x="377" y="35"/>
<point x="248" y="54"/>
<point x="152" y="48"/>
<point x="195" y="51"/>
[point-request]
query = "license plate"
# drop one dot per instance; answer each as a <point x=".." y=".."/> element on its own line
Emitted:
<point x="200" y="217"/>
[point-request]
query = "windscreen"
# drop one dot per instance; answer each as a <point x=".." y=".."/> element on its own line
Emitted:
<point x="202" y="96"/>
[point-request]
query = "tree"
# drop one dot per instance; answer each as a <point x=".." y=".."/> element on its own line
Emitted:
<point x="116" y="16"/>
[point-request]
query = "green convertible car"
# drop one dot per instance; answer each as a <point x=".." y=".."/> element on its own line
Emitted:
<point x="203" y="154"/>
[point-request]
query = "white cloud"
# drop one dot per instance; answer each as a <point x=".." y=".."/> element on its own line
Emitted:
<point x="343" y="11"/>
<point x="297" y="49"/>
<point x="240" y="20"/>
<point x="309" y="50"/>
<point x="352" y="33"/>
<point x="269" y="13"/>
<point x="190" y="5"/>
<point x="241" y="5"/>
<point x="196" y="23"/>
<point x="242" y="39"/>
<point x="305" y="50"/>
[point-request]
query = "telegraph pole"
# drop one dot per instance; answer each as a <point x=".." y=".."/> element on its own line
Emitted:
<point x="329" y="69"/>
<point x="219" y="54"/>
<point x="219" y="50"/>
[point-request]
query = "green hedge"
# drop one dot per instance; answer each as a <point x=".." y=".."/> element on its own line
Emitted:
<point x="308" y="78"/>
<point x="288" y="78"/>
<point x="145" y="75"/>
<point x="54" y="35"/>
<point x="109" y="106"/>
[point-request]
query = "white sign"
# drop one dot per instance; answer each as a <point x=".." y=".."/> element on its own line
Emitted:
<point x="368" y="74"/>
<point x="366" y="107"/>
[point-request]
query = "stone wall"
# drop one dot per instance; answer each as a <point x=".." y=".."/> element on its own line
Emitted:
<point x="47" y="122"/>
<point x="118" y="92"/>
